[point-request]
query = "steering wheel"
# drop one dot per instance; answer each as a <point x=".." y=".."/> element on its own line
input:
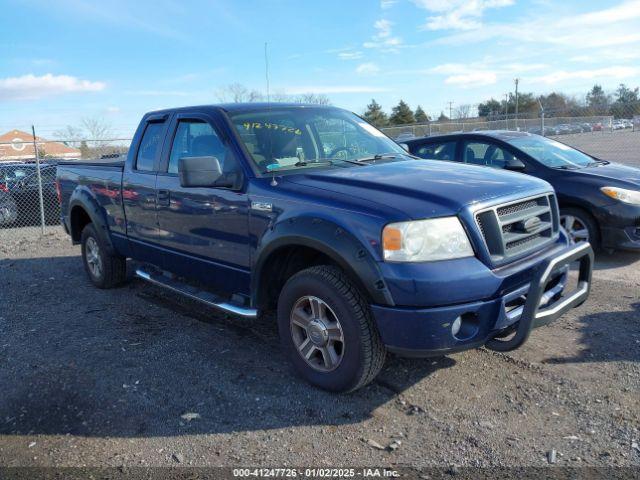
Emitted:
<point x="335" y="151"/>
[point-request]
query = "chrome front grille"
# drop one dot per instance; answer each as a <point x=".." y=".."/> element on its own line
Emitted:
<point x="516" y="228"/>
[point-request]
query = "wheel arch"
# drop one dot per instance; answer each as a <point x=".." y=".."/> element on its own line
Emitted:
<point x="314" y="241"/>
<point x="84" y="209"/>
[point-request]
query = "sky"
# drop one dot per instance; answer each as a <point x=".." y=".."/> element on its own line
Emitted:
<point x="64" y="60"/>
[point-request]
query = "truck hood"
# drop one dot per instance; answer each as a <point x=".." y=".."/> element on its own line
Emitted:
<point x="423" y="188"/>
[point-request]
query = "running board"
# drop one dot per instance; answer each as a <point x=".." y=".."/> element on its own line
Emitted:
<point x="196" y="294"/>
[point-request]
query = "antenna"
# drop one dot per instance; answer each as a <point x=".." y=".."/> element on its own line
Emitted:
<point x="266" y="68"/>
<point x="274" y="182"/>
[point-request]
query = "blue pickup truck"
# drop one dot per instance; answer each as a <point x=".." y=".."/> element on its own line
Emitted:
<point x="313" y="213"/>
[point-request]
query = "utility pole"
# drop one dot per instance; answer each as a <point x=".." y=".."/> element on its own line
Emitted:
<point x="516" y="81"/>
<point x="506" y="111"/>
<point x="450" y="110"/>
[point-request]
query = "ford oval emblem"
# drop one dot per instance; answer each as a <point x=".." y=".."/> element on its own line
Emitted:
<point x="531" y="224"/>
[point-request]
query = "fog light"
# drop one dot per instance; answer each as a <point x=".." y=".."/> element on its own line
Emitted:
<point x="466" y="326"/>
<point x="455" y="326"/>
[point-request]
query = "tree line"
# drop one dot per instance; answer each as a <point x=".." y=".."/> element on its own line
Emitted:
<point x="623" y="103"/>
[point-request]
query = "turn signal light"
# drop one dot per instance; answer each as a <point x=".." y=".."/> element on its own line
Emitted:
<point x="391" y="239"/>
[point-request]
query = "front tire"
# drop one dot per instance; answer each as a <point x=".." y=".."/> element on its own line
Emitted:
<point x="580" y="226"/>
<point x="105" y="270"/>
<point x="327" y="330"/>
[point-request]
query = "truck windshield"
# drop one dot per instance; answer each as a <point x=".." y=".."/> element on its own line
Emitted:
<point x="551" y="153"/>
<point x="285" y="138"/>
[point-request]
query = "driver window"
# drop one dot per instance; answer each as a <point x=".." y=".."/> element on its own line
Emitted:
<point x="195" y="138"/>
<point x="487" y="154"/>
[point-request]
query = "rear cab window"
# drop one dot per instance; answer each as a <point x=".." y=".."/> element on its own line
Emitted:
<point x="149" y="146"/>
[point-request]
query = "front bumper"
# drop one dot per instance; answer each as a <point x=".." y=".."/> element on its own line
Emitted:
<point x="619" y="226"/>
<point x="415" y="331"/>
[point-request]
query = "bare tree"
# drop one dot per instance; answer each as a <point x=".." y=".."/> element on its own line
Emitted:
<point x="463" y="111"/>
<point x="97" y="130"/>
<point x="238" y="93"/>
<point x="70" y="136"/>
<point x="94" y="137"/>
<point x="314" y="98"/>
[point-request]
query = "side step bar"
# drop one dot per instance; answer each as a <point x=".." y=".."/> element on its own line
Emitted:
<point x="196" y="294"/>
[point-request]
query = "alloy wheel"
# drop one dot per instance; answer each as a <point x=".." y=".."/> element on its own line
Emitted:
<point x="94" y="260"/>
<point x="317" y="334"/>
<point x="575" y="227"/>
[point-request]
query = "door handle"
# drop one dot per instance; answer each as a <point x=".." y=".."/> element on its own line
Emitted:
<point x="163" y="198"/>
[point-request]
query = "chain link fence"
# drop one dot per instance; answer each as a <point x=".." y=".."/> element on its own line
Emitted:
<point x="29" y="205"/>
<point x="614" y="138"/>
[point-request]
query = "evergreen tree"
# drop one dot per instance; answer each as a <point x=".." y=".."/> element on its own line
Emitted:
<point x="375" y="115"/>
<point x="401" y="114"/>
<point x="443" y="117"/>
<point x="490" y="107"/>
<point x="421" y="116"/>
<point x="598" y="100"/>
<point x="627" y="103"/>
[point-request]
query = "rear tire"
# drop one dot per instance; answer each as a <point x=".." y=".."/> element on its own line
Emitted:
<point x="339" y="348"/>
<point x="105" y="270"/>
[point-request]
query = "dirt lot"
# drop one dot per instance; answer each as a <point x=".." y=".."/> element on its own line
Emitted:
<point x="104" y="378"/>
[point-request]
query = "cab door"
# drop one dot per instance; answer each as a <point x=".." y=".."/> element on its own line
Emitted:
<point x="204" y="231"/>
<point x="139" y="192"/>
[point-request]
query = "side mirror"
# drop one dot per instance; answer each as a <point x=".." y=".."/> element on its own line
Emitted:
<point x="515" y="165"/>
<point x="199" y="171"/>
<point x="404" y="146"/>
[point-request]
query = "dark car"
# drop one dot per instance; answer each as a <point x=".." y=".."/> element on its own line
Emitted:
<point x="599" y="200"/>
<point x="20" y="186"/>
<point x="548" y="131"/>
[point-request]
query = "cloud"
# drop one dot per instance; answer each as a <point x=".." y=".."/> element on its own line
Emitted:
<point x="350" y="55"/>
<point x="157" y="93"/>
<point x="481" y="73"/>
<point x="472" y="79"/>
<point x="624" y="12"/>
<point x="368" y="68"/>
<point x="559" y="76"/>
<point x="387" y="4"/>
<point x="557" y="27"/>
<point x="457" y="14"/>
<point x="29" y="87"/>
<point x="383" y="39"/>
<point x="326" y="89"/>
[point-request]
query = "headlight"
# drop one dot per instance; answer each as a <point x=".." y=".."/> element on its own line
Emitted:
<point x="622" y="194"/>
<point x="425" y="240"/>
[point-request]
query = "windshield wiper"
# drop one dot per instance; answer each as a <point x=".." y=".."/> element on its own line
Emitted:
<point x="597" y="162"/>
<point x="566" y="167"/>
<point x="379" y="156"/>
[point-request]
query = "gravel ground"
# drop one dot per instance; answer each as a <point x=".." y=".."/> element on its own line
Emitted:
<point x="140" y="377"/>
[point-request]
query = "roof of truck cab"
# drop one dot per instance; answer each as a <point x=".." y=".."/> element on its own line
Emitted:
<point x="240" y="107"/>
<point x="499" y="134"/>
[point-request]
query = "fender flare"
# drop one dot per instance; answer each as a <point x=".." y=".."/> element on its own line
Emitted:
<point x="333" y="241"/>
<point x="83" y="198"/>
